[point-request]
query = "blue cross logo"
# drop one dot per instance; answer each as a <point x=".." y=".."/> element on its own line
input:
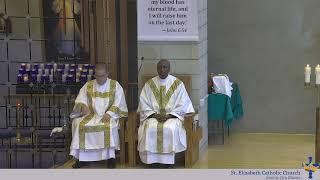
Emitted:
<point x="310" y="167"/>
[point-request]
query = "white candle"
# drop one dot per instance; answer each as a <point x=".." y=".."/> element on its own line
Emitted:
<point x="77" y="77"/>
<point x="51" y="78"/>
<point x="317" y="71"/>
<point x="39" y="78"/>
<point x="25" y="78"/>
<point x="64" y="78"/>
<point x="46" y="72"/>
<point x="91" y="71"/>
<point x="40" y="71"/>
<point x="307" y="73"/>
<point x="55" y="67"/>
<point x="41" y="66"/>
<point x="28" y="66"/>
<point x="89" y="77"/>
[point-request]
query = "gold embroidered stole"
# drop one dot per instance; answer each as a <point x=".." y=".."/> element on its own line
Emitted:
<point x="106" y="122"/>
<point x="162" y="99"/>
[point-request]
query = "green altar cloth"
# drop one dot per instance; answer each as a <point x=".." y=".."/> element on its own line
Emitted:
<point x="222" y="107"/>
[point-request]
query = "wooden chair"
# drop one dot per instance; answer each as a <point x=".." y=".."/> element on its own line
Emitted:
<point x="194" y="133"/>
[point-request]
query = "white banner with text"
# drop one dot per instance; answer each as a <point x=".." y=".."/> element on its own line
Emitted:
<point x="167" y="20"/>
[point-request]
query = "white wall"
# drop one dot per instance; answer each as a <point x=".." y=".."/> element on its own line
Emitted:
<point x="264" y="45"/>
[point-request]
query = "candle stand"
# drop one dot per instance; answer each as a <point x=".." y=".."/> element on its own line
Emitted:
<point x="316" y="88"/>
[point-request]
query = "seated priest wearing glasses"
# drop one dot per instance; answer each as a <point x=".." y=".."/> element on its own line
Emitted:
<point x="100" y="103"/>
<point x="163" y="104"/>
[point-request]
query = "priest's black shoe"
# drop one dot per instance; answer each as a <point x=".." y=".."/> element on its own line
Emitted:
<point x="154" y="166"/>
<point x="167" y="166"/>
<point x="111" y="163"/>
<point x="78" y="164"/>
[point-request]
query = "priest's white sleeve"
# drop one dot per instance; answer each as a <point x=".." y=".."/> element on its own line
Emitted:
<point x="145" y="107"/>
<point x="119" y="107"/>
<point x="183" y="104"/>
<point x="82" y="98"/>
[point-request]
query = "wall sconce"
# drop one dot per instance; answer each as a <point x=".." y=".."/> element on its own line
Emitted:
<point x="5" y="24"/>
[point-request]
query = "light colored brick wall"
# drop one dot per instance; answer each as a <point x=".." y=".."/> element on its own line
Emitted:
<point x="203" y="66"/>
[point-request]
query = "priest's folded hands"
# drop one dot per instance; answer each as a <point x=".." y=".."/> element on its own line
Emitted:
<point x="161" y="117"/>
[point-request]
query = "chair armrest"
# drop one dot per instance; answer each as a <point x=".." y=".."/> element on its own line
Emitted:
<point x="122" y="122"/>
<point x="188" y="119"/>
<point x="188" y="123"/>
<point x="189" y="115"/>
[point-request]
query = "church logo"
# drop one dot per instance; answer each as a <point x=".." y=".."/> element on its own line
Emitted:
<point x="310" y="167"/>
